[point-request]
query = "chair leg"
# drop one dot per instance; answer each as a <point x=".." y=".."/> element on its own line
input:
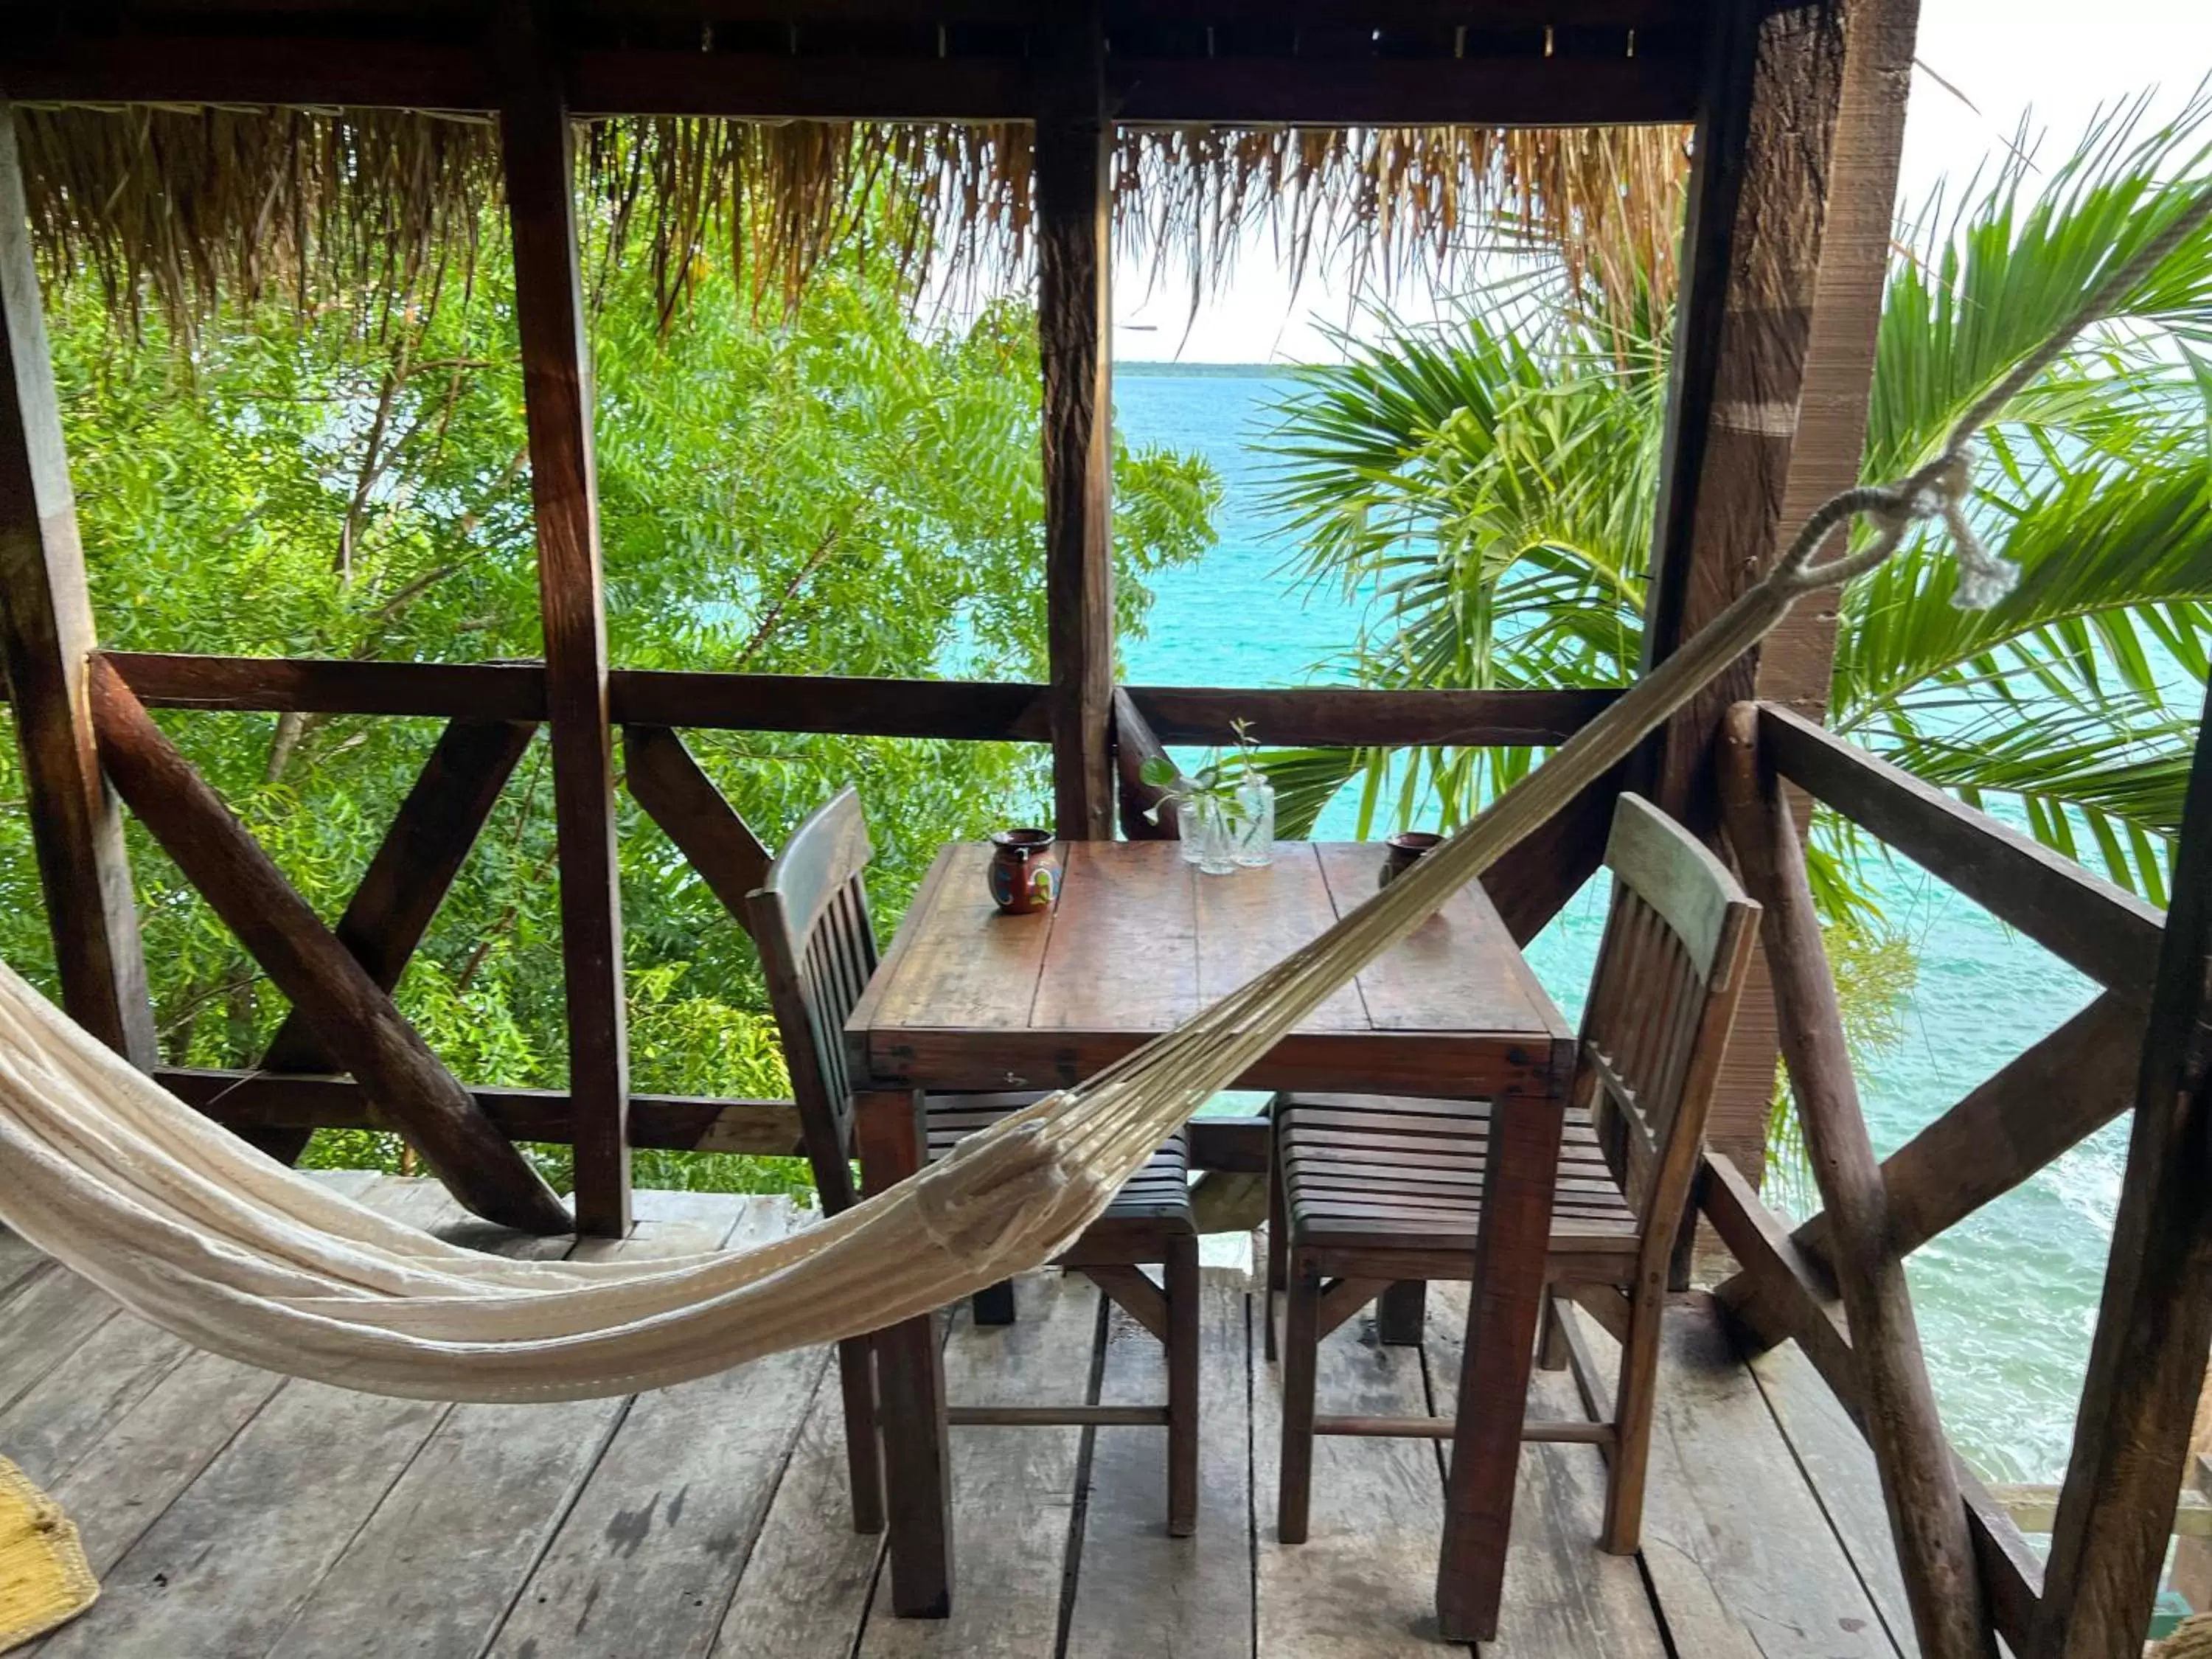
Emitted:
<point x="1552" y="1353"/>
<point x="1632" y="1400"/>
<point x="1301" y="1355"/>
<point x="1278" y="1248"/>
<point x="864" y="1466"/>
<point x="1183" y="1295"/>
<point x="994" y="1303"/>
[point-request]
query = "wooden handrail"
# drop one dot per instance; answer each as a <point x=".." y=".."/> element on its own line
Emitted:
<point x="2107" y="932"/>
<point x="981" y="710"/>
<point x="1147" y="812"/>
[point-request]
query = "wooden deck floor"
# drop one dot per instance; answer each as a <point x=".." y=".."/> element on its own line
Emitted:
<point x="234" y="1515"/>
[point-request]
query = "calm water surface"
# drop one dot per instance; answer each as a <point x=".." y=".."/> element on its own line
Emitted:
<point x="2006" y="1300"/>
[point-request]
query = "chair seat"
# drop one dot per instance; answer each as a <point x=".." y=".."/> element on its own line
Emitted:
<point x="1378" y="1172"/>
<point x="1153" y="1203"/>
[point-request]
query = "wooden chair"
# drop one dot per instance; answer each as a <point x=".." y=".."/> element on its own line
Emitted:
<point x="810" y="918"/>
<point x="1369" y="1191"/>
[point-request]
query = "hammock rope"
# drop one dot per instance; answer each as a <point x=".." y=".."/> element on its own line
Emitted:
<point x="202" y="1234"/>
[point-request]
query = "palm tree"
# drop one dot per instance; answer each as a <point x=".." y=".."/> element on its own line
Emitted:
<point x="1492" y="484"/>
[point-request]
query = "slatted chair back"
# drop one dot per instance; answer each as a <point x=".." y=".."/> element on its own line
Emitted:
<point x="810" y="919"/>
<point x="1669" y="976"/>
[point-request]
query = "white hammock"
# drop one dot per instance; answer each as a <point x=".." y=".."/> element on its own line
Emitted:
<point x="204" y="1235"/>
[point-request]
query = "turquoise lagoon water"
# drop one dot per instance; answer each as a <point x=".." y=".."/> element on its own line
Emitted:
<point x="2006" y="1300"/>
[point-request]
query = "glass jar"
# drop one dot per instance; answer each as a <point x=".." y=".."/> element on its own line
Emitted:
<point x="1209" y="838"/>
<point x="1254" y="821"/>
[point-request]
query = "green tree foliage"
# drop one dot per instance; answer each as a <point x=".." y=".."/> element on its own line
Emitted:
<point x="1494" y="483"/>
<point x="844" y="489"/>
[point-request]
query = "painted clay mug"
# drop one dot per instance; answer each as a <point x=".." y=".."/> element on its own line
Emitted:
<point x="1405" y="851"/>
<point x="1024" y="872"/>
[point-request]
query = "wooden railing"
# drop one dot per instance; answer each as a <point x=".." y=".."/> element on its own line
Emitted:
<point x="339" y="978"/>
<point x="1836" y="1282"/>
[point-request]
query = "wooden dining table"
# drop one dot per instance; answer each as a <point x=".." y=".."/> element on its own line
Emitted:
<point x="967" y="999"/>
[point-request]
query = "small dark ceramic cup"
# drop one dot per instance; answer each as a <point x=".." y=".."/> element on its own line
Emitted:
<point x="1405" y="850"/>
<point x="1024" y="871"/>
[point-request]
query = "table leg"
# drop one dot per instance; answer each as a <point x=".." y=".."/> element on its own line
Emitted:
<point x="1401" y="1313"/>
<point x="889" y="1134"/>
<point x="1507" y="1297"/>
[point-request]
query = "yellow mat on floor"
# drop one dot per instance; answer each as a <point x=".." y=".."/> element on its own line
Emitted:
<point x="45" y="1579"/>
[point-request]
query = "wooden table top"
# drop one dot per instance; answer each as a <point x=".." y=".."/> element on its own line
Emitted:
<point x="967" y="999"/>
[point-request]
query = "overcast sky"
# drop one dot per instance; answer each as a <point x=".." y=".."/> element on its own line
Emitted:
<point x="2057" y="58"/>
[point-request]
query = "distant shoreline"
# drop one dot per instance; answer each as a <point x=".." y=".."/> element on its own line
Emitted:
<point x="1207" y="371"/>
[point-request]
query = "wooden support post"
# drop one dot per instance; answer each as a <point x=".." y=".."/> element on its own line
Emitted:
<point x="2146" y="1362"/>
<point x="1788" y="248"/>
<point x="683" y="800"/>
<point x="351" y="1014"/>
<point x="406" y="881"/>
<point x="536" y="152"/>
<point x="45" y="633"/>
<point x="1941" y="1582"/>
<point x="1074" y="153"/>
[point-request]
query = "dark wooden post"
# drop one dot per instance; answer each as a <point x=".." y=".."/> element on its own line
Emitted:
<point x="535" y="144"/>
<point x="1075" y="155"/>
<point x="45" y="634"/>
<point x="2146" y="1362"/>
<point x="1897" y="1408"/>
<point x="1787" y="248"/>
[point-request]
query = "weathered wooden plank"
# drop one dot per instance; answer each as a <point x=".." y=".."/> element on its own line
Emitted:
<point x="692" y="812"/>
<point x="318" y="685"/>
<point x="49" y="1312"/>
<point x="1014" y="1489"/>
<point x="1565" y="1598"/>
<point x="1839" y="1466"/>
<point x="1362" y="1585"/>
<point x="2146" y="1362"/>
<point x="352" y="1015"/>
<point x="407" y="879"/>
<point x="1248" y="922"/>
<point x="647" y="1557"/>
<point x="1742" y="1560"/>
<point x="982" y="711"/>
<point x="1457" y="971"/>
<point x="1896" y="1403"/>
<point x="808" y="1582"/>
<point x="467" y="1518"/>
<point x="2108" y="934"/>
<point x="988" y="981"/>
<point x="536" y="154"/>
<point x="1071" y="173"/>
<point x="1139" y="1593"/>
<point x="1137" y="905"/>
<point x="99" y="1378"/>
<point x="46" y="630"/>
<point x="1788" y="1297"/>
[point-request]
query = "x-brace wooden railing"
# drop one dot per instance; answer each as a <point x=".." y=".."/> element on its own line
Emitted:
<point x="1836" y="1284"/>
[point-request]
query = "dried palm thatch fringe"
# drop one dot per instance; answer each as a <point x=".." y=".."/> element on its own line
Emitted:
<point x="210" y="1239"/>
<point x="182" y="208"/>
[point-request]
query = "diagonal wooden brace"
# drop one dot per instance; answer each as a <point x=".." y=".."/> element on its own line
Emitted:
<point x="406" y="881"/>
<point x="352" y="1016"/>
<point x="665" y="780"/>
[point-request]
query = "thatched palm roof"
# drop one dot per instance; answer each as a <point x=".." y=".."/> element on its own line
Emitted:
<point x="176" y="206"/>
